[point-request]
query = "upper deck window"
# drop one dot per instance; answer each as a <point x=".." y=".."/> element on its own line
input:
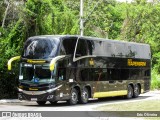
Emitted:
<point x="40" y="48"/>
<point x="68" y="46"/>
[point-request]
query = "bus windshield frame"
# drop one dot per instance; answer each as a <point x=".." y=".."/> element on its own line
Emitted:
<point x="36" y="73"/>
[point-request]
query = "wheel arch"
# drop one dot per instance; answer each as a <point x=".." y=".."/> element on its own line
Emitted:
<point x="131" y="84"/>
<point x="139" y="85"/>
<point x="88" y="87"/>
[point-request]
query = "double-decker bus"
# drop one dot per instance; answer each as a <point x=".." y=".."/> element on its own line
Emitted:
<point x="75" y="68"/>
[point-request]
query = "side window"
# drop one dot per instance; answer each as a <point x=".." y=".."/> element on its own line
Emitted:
<point x="85" y="75"/>
<point x="97" y="74"/>
<point x="147" y="72"/>
<point x="135" y="74"/>
<point x="103" y="75"/>
<point x="81" y="48"/>
<point x="62" y="50"/>
<point x="68" y="46"/>
<point x="94" y="74"/>
<point x="62" y="74"/>
<point x="91" y="47"/>
<point x="114" y="74"/>
<point x="124" y="74"/>
<point x="62" y="70"/>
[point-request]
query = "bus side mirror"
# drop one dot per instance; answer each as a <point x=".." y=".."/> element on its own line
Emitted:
<point x="11" y="60"/>
<point x="53" y="62"/>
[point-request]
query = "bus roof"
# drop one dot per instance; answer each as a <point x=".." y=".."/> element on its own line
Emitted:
<point x="107" y="47"/>
<point x="86" y="38"/>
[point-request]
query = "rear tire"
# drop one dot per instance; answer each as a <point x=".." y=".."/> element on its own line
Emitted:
<point x="74" y="97"/>
<point x="136" y="91"/>
<point x="84" y="96"/>
<point x="129" y="92"/>
<point x="41" y="102"/>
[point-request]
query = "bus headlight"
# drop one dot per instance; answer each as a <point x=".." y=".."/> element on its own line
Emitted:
<point x="53" y="89"/>
<point x="20" y="90"/>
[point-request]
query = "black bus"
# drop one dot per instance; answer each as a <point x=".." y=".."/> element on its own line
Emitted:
<point x="76" y="68"/>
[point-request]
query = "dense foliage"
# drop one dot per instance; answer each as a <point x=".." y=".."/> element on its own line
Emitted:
<point x="137" y="21"/>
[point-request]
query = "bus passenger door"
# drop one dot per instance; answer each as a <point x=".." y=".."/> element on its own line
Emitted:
<point x="63" y="91"/>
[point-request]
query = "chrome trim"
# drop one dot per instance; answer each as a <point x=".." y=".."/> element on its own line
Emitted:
<point x="34" y="92"/>
<point x="82" y="57"/>
<point x="39" y="92"/>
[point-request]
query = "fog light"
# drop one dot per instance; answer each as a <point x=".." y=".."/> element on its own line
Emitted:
<point x="50" y="97"/>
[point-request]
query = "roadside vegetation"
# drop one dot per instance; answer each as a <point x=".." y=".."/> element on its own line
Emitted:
<point x="155" y="83"/>
<point x="137" y="21"/>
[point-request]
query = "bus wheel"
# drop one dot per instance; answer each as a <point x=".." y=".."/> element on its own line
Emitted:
<point x="41" y="102"/>
<point x="129" y="92"/>
<point x="136" y="91"/>
<point x="84" y="96"/>
<point x="74" y="97"/>
<point x="53" y="102"/>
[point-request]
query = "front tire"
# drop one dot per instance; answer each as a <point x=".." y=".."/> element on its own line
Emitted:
<point x="74" y="97"/>
<point x="84" y="96"/>
<point x="41" y="102"/>
<point x="129" y="92"/>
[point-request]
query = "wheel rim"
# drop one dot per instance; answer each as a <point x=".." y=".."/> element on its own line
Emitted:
<point x="74" y="96"/>
<point x="85" y="96"/>
<point x="130" y="92"/>
<point x="136" y="90"/>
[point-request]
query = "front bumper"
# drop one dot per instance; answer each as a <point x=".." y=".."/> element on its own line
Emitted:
<point x="34" y="97"/>
<point x="47" y="95"/>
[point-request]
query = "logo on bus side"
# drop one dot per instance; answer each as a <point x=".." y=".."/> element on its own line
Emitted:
<point x="91" y="61"/>
<point x="36" y="61"/>
<point x="136" y="63"/>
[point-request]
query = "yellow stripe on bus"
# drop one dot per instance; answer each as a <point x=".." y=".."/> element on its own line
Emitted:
<point x="142" y="91"/>
<point x="109" y="94"/>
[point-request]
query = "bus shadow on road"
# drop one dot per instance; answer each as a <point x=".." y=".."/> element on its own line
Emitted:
<point x="90" y="102"/>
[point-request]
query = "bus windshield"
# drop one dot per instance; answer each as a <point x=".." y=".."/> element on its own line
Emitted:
<point x="35" y="73"/>
<point x="40" y="48"/>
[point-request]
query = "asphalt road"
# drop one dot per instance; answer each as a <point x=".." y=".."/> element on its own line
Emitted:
<point x="63" y="106"/>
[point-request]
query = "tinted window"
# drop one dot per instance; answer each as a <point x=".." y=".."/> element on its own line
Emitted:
<point x="40" y="48"/>
<point x="85" y="75"/>
<point x="62" y="70"/>
<point x="124" y="74"/>
<point x="135" y="74"/>
<point x="68" y="46"/>
<point x="81" y="48"/>
<point x="114" y="74"/>
<point x="96" y="47"/>
<point x="147" y="72"/>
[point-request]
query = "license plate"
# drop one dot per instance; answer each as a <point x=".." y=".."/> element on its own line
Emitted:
<point x="33" y="99"/>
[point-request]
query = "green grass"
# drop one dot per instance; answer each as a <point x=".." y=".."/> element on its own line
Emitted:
<point x="134" y="107"/>
<point x="148" y="105"/>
